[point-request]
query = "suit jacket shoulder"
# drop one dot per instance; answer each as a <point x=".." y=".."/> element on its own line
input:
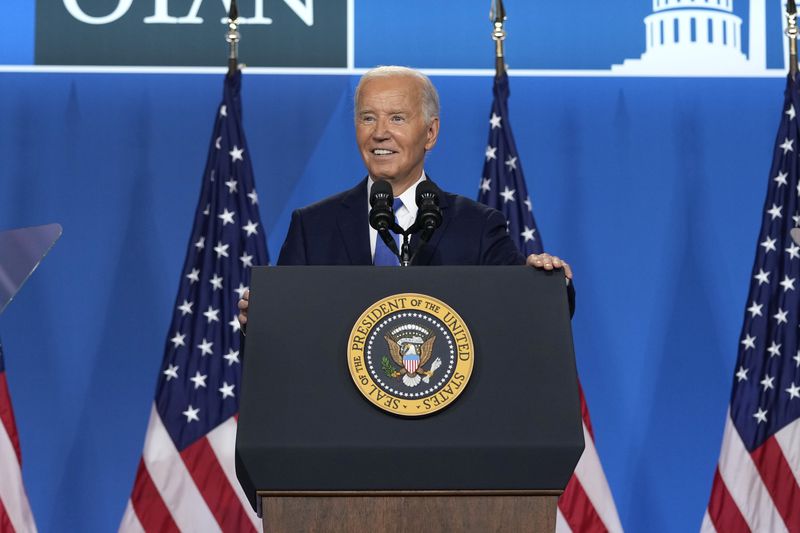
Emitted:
<point x="471" y="234"/>
<point x="333" y="231"/>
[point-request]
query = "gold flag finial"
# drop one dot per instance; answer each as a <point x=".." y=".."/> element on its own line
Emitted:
<point x="791" y="32"/>
<point x="232" y="36"/>
<point x="498" y="16"/>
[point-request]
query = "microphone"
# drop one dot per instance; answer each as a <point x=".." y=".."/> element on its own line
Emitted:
<point x="381" y="214"/>
<point x="429" y="215"/>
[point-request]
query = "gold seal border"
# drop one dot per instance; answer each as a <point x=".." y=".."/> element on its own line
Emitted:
<point x="447" y="393"/>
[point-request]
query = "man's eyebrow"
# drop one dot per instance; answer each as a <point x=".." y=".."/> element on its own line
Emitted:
<point x="369" y="111"/>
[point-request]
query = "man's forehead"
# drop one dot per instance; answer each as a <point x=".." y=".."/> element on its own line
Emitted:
<point x="395" y="91"/>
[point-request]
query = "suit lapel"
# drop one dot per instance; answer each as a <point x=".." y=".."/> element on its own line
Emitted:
<point x="353" y="222"/>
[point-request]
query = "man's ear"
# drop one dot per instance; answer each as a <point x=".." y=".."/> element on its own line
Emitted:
<point x="432" y="133"/>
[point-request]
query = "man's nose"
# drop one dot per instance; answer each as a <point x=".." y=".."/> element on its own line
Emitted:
<point x="381" y="131"/>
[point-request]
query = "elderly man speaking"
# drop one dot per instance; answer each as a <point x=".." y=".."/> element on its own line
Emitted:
<point x="397" y="123"/>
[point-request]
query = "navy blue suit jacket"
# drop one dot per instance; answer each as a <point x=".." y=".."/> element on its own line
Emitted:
<point x="335" y="231"/>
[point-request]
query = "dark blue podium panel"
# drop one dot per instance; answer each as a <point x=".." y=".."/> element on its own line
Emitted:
<point x="305" y="426"/>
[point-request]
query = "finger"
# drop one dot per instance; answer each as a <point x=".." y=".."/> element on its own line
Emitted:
<point x="243" y="304"/>
<point x="534" y="260"/>
<point x="567" y="271"/>
<point x="557" y="262"/>
<point x="242" y="319"/>
<point x="246" y="294"/>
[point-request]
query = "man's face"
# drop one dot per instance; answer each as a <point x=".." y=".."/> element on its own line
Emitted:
<point x="391" y="132"/>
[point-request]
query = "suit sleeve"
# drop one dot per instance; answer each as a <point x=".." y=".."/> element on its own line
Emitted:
<point x="293" y="251"/>
<point x="498" y="249"/>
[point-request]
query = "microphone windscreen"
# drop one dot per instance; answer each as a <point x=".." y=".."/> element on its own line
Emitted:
<point x="381" y="189"/>
<point x="427" y="188"/>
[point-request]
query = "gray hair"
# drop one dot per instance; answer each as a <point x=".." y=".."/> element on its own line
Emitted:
<point x="430" y="98"/>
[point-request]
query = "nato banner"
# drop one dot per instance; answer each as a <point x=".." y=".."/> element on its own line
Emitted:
<point x="285" y="33"/>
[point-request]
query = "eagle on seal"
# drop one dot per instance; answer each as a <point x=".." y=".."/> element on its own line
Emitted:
<point x="411" y="361"/>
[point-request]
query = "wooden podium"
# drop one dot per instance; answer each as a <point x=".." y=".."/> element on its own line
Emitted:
<point x="313" y="454"/>
<point x="400" y="512"/>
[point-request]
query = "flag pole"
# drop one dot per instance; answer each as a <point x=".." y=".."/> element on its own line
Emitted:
<point x="791" y="32"/>
<point x="498" y="16"/>
<point x="232" y="36"/>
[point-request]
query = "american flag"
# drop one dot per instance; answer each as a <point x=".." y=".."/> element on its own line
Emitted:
<point x="186" y="479"/>
<point x="587" y="504"/>
<point x="503" y="184"/>
<point x="15" y="512"/>
<point x="755" y="485"/>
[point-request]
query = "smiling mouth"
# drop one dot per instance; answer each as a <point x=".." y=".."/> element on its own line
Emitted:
<point x="382" y="151"/>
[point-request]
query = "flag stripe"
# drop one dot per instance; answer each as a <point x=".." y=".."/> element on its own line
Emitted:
<point x="220" y="439"/>
<point x="220" y="497"/>
<point x="587" y="421"/>
<point x="789" y="440"/>
<point x="7" y="416"/>
<point x="173" y="481"/>
<point x="146" y="502"/>
<point x="12" y="491"/>
<point x="743" y="482"/>
<point x="5" y="521"/>
<point x="130" y="522"/>
<point x="722" y="510"/>
<point x="780" y="482"/>
<point x="578" y="510"/>
<point x="707" y="526"/>
<point x="562" y="526"/>
<point x="593" y="481"/>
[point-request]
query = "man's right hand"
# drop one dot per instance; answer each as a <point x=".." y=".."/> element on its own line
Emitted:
<point x="244" y="303"/>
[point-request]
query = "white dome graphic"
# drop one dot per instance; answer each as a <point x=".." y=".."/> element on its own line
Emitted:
<point x="699" y="37"/>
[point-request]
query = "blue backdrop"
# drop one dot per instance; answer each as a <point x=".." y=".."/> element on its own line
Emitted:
<point x="650" y="187"/>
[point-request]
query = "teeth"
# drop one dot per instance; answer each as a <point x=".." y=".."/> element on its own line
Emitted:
<point x="379" y="151"/>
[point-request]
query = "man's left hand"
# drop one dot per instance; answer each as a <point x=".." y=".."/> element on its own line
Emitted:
<point x="549" y="262"/>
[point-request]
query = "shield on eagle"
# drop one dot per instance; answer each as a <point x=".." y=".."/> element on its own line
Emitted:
<point x="410" y="358"/>
<point x="411" y="347"/>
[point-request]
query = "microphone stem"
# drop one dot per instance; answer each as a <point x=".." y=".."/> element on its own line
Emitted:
<point x="405" y="254"/>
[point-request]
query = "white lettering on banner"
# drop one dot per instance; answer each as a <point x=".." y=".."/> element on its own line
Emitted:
<point x="161" y="14"/>
<point x="75" y="10"/>
<point x="258" y="18"/>
<point x="304" y="9"/>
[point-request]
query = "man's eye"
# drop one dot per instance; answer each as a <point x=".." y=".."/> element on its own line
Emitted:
<point x="367" y="119"/>
<point x="398" y="118"/>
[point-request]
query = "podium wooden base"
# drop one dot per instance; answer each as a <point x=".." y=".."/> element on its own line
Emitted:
<point x="415" y="512"/>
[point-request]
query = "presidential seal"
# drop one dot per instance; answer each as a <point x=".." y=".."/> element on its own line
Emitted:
<point x="410" y="354"/>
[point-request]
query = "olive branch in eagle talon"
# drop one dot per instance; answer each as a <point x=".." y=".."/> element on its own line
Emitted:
<point x="410" y="357"/>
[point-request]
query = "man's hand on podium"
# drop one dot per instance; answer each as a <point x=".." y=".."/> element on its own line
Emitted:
<point x="549" y="262"/>
<point x="243" y="304"/>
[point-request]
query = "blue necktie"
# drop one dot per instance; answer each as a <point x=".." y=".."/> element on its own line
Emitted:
<point x="383" y="255"/>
